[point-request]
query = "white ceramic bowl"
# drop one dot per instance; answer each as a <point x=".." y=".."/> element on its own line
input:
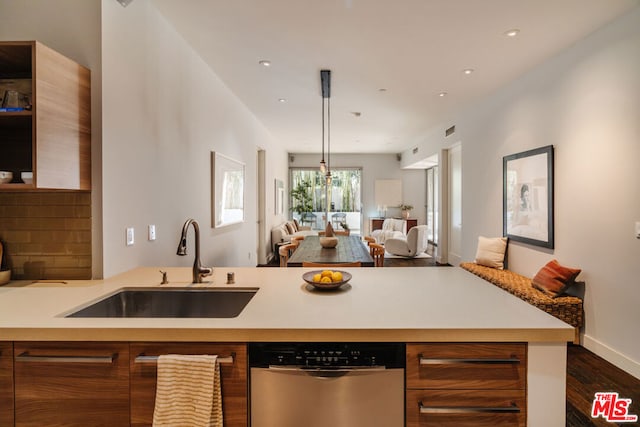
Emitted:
<point x="5" y="276"/>
<point x="5" y="177"/>
<point x="26" y="177"/>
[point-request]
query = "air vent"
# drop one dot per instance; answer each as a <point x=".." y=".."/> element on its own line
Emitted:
<point x="449" y="131"/>
<point x="415" y="150"/>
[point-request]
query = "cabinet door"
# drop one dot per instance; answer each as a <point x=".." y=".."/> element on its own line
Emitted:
<point x="233" y="379"/>
<point x="6" y="384"/>
<point x="71" y="384"/>
<point x="467" y="365"/>
<point x="460" y="408"/>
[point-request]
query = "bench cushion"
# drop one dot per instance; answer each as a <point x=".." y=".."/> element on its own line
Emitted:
<point x="569" y="309"/>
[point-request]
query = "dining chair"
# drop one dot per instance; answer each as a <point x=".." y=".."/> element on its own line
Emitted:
<point x="295" y="240"/>
<point x="377" y="253"/>
<point x="321" y="264"/>
<point x="369" y="241"/>
<point x="285" y="252"/>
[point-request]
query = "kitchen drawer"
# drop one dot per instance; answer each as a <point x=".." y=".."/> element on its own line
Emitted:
<point x="71" y="384"/>
<point x="467" y="365"/>
<point x="143" y="368"/>
<point x="6" y="383"/>
<point x="460" y="408"/>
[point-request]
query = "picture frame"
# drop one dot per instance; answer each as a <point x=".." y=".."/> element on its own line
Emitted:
<point x="227" y="186"/>
<point x="279" y="196"/>
<point x="527" y="197"/>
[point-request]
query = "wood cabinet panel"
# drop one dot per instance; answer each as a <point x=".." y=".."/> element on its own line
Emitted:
<point x="233" y="379"/>
<point x="467" y="366"/>
<point x="6" y="383"/>
<point x="63" y="121"/>
<point x="71" y="384"/>
<point x="460" y="408"/>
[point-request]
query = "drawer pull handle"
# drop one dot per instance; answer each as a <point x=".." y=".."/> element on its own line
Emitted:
<point x="513" y="409"/>
<point x="26" y="357"/>
<point x="428" y="361"/>
<point x="142" y="358"/>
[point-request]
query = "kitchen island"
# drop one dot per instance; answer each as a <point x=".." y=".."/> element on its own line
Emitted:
<point x="408" y="305"/>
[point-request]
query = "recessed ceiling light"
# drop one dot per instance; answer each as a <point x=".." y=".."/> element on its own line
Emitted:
<point x="282" y="100"/>
<point x="468" y="71"/>
<point x="356" y="113"/>
<point x="382" y="89"/>
<point x="265" y="63"/>
<point x="512" y="33"/>
<point x="124" y="3"/>
<point x="442" y="94"/>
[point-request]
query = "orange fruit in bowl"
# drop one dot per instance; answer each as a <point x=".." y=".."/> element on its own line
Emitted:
<point x="336" y="276"/>
<point x="326" y="273"/>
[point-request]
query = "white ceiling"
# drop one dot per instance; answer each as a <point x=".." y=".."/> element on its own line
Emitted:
<point x="415" y="49"/>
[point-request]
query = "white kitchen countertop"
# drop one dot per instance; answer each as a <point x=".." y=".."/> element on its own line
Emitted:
<point x="413" y="304"/>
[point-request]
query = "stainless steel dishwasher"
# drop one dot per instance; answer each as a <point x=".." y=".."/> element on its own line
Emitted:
<point x="327" y="384"/>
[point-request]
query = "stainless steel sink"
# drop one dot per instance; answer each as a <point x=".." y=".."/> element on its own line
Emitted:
<point x="169" y="302"/>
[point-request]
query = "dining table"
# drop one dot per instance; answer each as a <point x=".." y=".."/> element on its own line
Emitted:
<point x="349" y="249"/>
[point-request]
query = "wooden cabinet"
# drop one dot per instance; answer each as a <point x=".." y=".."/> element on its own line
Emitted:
<point x="376" y="223"/>
<point x="71" y="384"/>
<point x="48" y="132"/>
<point x="233" y="371"/>
<point x="467" y="384"/>
<point x="6" y="383"/>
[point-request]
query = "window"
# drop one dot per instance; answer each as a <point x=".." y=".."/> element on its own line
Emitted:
<point x="308" y="196"/>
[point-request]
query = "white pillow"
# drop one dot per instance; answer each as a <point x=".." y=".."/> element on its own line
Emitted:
<point x="491" y="251"/>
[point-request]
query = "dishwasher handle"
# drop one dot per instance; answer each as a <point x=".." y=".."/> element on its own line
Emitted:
<point x="324" y="372"/>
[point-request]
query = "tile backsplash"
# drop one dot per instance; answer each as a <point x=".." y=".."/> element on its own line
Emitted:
<point x="46" y="235"/>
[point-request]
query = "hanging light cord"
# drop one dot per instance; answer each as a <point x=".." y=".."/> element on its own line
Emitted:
<point x="328" y="136"/>
<point x="322" y="161"/>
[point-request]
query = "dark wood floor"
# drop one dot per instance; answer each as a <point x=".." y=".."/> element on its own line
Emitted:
<point x="587" y="374"/>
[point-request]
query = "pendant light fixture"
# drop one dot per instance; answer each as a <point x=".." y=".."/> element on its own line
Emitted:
<point x="325" y="83"/>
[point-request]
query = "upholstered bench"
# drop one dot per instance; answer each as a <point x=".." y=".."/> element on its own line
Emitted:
<point x="569" y="309"/>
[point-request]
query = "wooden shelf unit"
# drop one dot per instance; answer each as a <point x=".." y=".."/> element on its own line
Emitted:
<point x="53" y="139"/>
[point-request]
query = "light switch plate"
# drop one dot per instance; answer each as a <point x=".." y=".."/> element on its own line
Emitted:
<point x="152" y="232"/>
<point x="130" y="236"/>
<point x="637" y="229"/>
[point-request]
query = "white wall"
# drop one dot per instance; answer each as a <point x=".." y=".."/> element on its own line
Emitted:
<point x="377" y="166"/>
<point x="586" y="103"/>
<point x="164" y="111"/>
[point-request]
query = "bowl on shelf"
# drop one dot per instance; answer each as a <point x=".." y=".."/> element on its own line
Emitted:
<point x="5" y="177"/>
<point x="328" y="242"/>
<point x="5" y="276"/>
<point x="26" y="177"/>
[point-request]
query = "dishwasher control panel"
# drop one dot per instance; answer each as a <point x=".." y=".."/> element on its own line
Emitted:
<point x="390" y="355"/>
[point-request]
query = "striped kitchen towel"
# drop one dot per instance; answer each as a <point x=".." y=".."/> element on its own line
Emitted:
<point x="188" y="392"/>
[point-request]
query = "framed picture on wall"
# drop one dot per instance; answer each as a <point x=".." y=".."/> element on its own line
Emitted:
<point x="227" y="186"/>
<point x="527" y="196"/>
<point x="279" y="197"/>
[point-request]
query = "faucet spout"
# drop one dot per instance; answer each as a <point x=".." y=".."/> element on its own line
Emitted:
<point x="198" y="270"/>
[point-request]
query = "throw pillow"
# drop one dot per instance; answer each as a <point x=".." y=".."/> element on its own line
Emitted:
<point x="491" y="251"/>
<point x="296" y="225"/>
<point x="554" y="279"/>
<point x="290" y="228"/>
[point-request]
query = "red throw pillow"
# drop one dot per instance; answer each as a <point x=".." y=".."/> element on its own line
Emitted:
<point x="553" y="279"/>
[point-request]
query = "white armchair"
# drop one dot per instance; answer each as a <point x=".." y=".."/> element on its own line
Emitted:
<point x="413" y="244"/>
<point x="391" y="227"/>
